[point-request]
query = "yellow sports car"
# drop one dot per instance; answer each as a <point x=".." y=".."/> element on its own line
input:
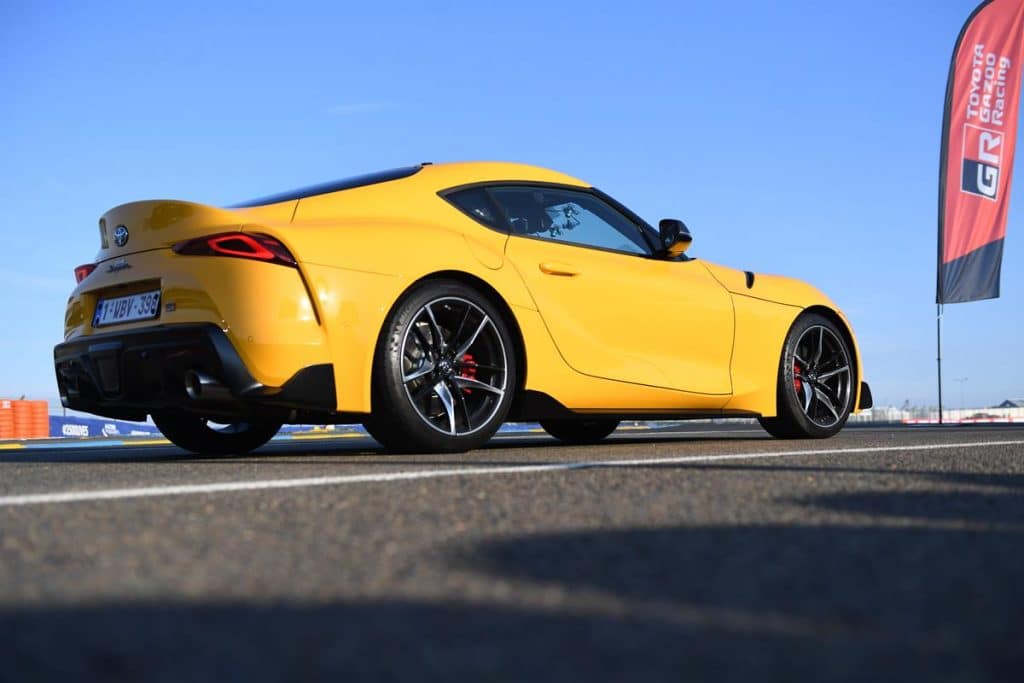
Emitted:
<point x="432" y="303"/>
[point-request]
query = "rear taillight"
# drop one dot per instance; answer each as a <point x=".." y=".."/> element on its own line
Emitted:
<point x="248" y="245"/>
<point x="82" y="272"/>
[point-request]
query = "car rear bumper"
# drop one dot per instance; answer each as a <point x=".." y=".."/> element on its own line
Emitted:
<point x="128" y="375"/>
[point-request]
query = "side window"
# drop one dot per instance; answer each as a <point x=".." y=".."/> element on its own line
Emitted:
<point x="478" y="205"/>
<point x="568" y="216"/>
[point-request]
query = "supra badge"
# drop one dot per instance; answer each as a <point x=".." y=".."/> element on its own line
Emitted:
<point x="120" y="235"/>
<point x="119" y="264"/>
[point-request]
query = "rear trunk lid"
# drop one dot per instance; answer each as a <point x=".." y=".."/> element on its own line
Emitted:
<point x="161" y="223"/>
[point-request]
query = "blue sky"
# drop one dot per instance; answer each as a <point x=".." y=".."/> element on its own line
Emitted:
<point x="797" y="138"/>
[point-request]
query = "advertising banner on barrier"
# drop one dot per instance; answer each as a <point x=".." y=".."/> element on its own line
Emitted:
<point x="978" y="135"/>
<point x="82" y="427"/>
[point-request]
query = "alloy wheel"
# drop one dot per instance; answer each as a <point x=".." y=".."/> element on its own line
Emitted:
<point x="454" y="366"/>
<point x="822" y="377"/>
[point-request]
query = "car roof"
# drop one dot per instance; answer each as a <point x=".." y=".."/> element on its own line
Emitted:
<point x="435" y="176"/>
<point x="453" y="174"/>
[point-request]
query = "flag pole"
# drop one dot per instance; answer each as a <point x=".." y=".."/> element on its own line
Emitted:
<point x="938" y="354"/>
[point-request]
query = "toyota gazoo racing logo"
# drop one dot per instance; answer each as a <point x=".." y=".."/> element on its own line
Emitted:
<point x="120" y="235"/>
<point x="982" y="157"/>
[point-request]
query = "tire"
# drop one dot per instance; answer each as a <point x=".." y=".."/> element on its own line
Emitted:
<point x="579" y="432"/>
<point x="195" y="433"/>
<point x="816" y="380"/>
<point x="444" y="372"/>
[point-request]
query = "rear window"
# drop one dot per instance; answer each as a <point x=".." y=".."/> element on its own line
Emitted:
<point x="333" y="186"/>
<point x="477" y="204"/>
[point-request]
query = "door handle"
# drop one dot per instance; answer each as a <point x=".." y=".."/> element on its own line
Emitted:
<point x="555" y="268"/>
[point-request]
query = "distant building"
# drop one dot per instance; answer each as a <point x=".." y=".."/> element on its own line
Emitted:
<point x="1012" y="403"/>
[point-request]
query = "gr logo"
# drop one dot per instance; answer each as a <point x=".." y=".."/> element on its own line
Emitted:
<point x="983" y="153"/>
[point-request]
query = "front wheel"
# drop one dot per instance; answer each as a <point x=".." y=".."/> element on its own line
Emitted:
<point x="579" y="432"/>
<point x="201" y="436"/>
<point x="815" y="382"/>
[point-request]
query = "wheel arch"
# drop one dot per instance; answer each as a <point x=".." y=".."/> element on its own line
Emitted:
<point x="494" y="296"/>
<point x="840" y="321"/>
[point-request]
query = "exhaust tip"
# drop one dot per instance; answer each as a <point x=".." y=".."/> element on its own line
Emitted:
<point x="202" y="387"/>
<point x="193" y="385"/>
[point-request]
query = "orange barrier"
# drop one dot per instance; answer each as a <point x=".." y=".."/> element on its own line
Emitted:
<point x="24" y="419"/>
<point x="40" y="419"/>
<point x="6" y="420"/>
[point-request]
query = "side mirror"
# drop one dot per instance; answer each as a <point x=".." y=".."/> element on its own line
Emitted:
<point x="675" y="237"/>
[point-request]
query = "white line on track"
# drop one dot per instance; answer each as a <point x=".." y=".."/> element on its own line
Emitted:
<point x="416" y="475"/>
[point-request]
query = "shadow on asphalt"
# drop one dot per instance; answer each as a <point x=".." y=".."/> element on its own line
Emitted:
<point x="929" y="600"/>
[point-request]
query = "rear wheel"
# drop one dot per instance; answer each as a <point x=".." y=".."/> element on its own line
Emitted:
<point x="202" y="436"/>
<point x="815" y="384"/>
<point x="579" y="431"/>
<point x="444" y="372"/>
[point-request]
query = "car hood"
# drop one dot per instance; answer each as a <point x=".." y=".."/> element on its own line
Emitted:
<point x="783" y="290"/>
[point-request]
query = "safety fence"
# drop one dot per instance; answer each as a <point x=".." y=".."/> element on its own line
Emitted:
<point x="924" y="416"/>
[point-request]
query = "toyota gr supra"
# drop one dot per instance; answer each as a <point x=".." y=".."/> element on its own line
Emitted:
<point x="432" y="303"/>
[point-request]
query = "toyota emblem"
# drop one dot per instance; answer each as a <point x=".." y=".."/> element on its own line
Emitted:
<point x="120" y="235"/>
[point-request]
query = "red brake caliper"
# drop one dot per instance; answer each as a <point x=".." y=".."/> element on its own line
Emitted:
<point x="470" y="372"/>
<point x="797" y="382"/>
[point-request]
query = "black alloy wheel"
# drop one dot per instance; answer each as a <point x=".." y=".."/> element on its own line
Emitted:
<point x="207" y="437"/>
<point x="816" y="381"/>
<point x="445" y="371"/>
<point x="580" y="432"/>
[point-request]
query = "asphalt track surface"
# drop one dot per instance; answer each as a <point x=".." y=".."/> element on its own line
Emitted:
<point x="695" y="554"/>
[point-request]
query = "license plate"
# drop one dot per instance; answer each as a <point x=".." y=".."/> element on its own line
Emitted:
<point x="126" y="309"/>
